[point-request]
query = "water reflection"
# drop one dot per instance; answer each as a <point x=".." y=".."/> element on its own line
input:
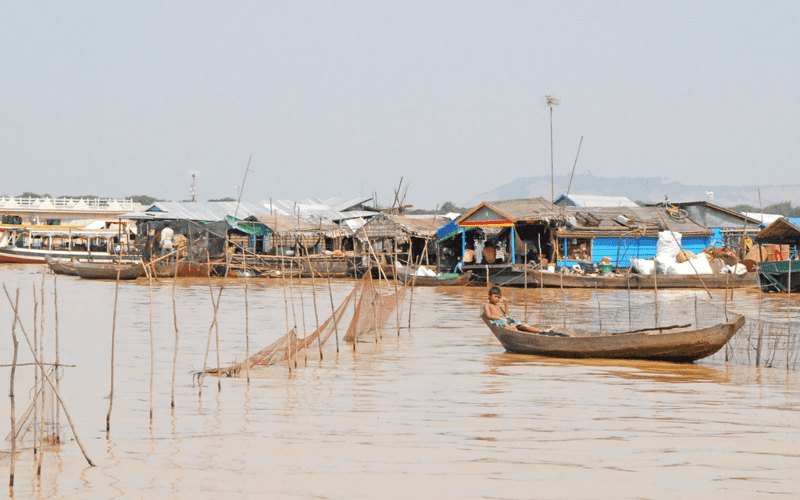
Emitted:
<point x="438" y="411"/>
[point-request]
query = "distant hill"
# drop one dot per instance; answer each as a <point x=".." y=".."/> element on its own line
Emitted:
<point x="645" y="189"/>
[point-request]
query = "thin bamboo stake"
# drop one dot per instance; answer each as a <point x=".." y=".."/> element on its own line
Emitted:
<point x="394" y="274"/>
<point x="246" y="318"/>
<point x="525" y="270"/>
<point x="11" y="396"/>
<point x="294" y="313"/>
<point x="599" y="310"/>
<point x="152" y="348"/>
<point x="41" y="351"/>
<point x="655" y="291"/>
<point x="314" y="298"/>
<point x="215" y="305"/>
<point x="35" y="376"/>
<point x="113" y="342"/>
<point x="216" y="321"/>
<point x="286" y="311"/>
<point x="175" y="324"/>
<point x="57" y="363"/>
<point x="47" y="377"/>
<point x="333" y="308"/>
<point x="541" y="281"/>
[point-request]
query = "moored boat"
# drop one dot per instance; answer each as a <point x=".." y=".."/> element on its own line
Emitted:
<point x="449" y="279"/>
<point x="677" y="343"/>
<point x="637" y="281"/>
<point x="108" y="271"/>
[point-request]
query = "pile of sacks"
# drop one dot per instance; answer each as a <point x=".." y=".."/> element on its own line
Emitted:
<point x="672" y="259"/>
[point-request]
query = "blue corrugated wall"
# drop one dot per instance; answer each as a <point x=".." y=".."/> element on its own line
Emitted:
<point x="634" y="248"/>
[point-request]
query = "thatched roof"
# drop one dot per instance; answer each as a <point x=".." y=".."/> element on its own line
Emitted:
<point x="781" y="232"/>
<point x="508" y="211"/>
<point x="392" y="226"/>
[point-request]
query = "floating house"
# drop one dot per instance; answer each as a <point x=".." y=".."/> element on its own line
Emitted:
<point x="534" y="230"/>
<point x="732" y="229"/>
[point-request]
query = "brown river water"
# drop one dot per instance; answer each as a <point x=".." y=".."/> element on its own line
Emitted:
<point x="438" y="411"/>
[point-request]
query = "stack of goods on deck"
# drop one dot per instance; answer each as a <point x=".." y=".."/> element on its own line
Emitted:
<point x="672" y="259"/>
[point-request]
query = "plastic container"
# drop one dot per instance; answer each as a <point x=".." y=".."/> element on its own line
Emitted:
<point x="551" y="268"/>
<point x="606" y="268"/>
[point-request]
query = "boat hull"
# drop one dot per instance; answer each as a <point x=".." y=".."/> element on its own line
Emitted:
<point x="445" y="280"/>
<point x="99" y="271"/>
<point x="676" y="345"/>
<point x="779" y="276"/>
<point x="635" y="281"/>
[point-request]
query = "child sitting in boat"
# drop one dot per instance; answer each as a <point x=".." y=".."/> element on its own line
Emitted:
<point x="497" y="314"/>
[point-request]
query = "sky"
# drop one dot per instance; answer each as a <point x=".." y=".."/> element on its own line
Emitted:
<point x="346" y="98"/>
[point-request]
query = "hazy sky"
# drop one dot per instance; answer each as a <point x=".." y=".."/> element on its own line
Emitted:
<point x="342" y="98"/>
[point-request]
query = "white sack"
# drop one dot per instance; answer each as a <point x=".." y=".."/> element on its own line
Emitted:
<point x="424" y="271"/>
<point x="667" y="246"/>
<point x="701" y="266"/>
<point x="643" y="266"/>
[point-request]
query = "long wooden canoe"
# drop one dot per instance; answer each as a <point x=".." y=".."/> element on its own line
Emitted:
<point x="678" y="344"/>
<point x="60" y="266"/>
<point x="102" y="271"/>
<point x="452" y="279"/>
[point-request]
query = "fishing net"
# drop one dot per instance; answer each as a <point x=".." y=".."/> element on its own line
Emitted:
<point x="371" y="310"/>
<point x="28" y="425"/>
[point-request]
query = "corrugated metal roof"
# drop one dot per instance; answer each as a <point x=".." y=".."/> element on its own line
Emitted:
<point x="591" y="200"/>
<point x="605" y="219"/>
<point x="306" y="208"/>
<point x="763" y="218"/>
<point x="344" y="205"/>
<point x="211" y="211"/>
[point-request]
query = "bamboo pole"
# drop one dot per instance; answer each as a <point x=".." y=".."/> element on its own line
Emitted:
<point x="246" y="319"/>
<point x="394" y="263"/>
<point x="175" y="324"/>
<point x="599" y="310"/>
<point x="655" y="290"/>
<point x="525" y="270"/>
<point x="316" y="314"/>
<point x="152" y="348"/>
<point x="57" y="362"/>
<point x="47" y="377"/>
<point x="286" y="311"/>
<point x="36" y="373"/>
<point x="215" y="306"/>
<point x="294" y="313"/>
<point x="11" y="396"/>
<point x="216" y="321"/>
<point x="113" y="342"/>
<point x="41" y="351"/>
<point x="333" y="308"/>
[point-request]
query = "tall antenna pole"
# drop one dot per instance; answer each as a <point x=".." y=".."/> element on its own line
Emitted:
<point x="238" y="201"/>
<point x="551" y="101"/>
<point x="192" y="190"/>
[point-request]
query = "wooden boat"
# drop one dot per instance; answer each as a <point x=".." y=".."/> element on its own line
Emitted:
<point x="60" y="266"/>
<point x="679" y="343"/>
<point x="30" y="245"/>
<point x="779" y="276"/>
<point x="636" y="281"/>
<point x="105" y="271"/>
<point x="451" y="279"/>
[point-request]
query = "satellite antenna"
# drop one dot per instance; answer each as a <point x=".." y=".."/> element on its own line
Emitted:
<point x="192" y="190"/>
<point x="710" y="195"/>
<point x="551" y="101"/>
